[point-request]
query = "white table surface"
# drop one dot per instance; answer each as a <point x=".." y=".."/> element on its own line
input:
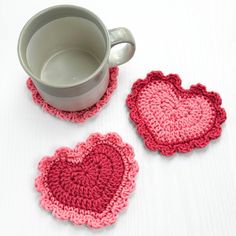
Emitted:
<point x="190" y="194"/>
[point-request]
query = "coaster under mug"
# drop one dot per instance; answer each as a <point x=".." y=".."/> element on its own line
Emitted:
<point x="76" y="116"/>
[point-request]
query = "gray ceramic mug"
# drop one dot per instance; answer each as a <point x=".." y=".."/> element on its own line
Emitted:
<point x="66" y="50"/>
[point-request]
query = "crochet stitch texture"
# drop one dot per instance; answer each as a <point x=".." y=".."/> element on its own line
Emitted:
<point x="77" y="116"/>
<point x="89" y="184"/>
<point x="173" y="119"/>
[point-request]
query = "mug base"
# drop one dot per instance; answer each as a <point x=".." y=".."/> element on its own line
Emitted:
<point x="80" y="102"/>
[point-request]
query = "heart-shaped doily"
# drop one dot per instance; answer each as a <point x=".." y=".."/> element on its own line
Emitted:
<point x="76" y="116"/>
<point x="172" y="119"/>
<point x="89" y="184"/>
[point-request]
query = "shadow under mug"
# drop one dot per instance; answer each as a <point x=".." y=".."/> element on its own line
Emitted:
<point x="66" y="50"/>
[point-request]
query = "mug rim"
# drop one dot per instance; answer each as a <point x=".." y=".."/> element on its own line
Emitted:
<point x="91" y="76"/>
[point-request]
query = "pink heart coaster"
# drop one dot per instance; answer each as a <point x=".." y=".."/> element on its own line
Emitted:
<point x="172" y="119"/>
<point x="77" y="116"/>
<point x="89" y="184"/>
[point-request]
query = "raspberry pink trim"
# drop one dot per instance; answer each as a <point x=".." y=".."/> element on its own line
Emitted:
<point x="144" y="89"/>
<point x="71" y="190"/>
<point x="78" y="116"/>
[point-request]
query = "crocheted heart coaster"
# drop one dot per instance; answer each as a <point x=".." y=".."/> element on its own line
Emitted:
<point x="89" y="184"/>
<point x="172" y="119"/>
<point x="77" y="116"/>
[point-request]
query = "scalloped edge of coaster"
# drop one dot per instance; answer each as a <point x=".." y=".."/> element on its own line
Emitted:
<point x="77" y="116"/>
<point x="188" y="145"/>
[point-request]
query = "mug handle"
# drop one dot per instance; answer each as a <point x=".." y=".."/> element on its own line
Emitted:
<point x="121" y="36"/>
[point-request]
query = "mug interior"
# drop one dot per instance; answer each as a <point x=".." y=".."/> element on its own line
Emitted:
<point x="63" y="46"/>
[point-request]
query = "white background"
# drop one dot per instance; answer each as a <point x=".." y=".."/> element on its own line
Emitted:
<point x="189" y="194"/>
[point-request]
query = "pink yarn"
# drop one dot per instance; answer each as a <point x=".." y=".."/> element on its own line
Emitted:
<point x="78" y="116"/>
<point x="89" y="184"/>
<point x="172" y="119"/>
